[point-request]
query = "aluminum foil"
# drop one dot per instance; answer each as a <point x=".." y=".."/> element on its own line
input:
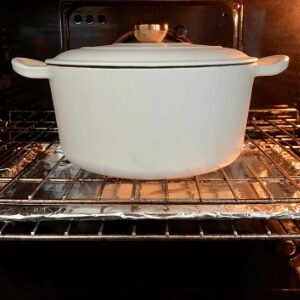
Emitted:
<point x="38" y="182"/>
<point x="94" y="212"/>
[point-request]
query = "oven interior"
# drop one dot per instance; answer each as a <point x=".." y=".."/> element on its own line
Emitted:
<point x="245" y="216"/>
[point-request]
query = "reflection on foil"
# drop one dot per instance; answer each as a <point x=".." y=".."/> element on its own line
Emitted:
<point x="238" y="170"/>
<point x="290" y="226"/>
<point x="285" y="160"/>
<point x="21" y="160"/>
<point x="252" y="190"/>
<point x="265" y="168"/>
<point x="281" y="189"/>
<point x="85" y="190"/>
<point x="42" y="167"/>
<point x="58" y="149"/>
<point x="66" y="169"/>
<point x="52" y="191"/>
<point x="19" y="190"/>
<point x="215" y="190"/>
<point x="152" y="190"/>
<point x="212" y="175"/>
<point x="117" y="191"/>
<point x="183" y="190"/>
<point x="258" y="161"/>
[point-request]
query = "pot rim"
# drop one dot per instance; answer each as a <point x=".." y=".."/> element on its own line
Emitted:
<point x="179" y="66"/>
<point x="151" y="55"/>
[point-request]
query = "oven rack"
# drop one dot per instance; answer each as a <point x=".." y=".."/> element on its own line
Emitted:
<point x="37" y="182"/>
<point x="139" y="230"/>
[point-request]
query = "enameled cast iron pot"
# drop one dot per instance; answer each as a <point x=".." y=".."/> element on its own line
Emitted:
<point x="150" y="111"/>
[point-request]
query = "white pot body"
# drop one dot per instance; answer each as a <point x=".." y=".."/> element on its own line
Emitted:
<point x="151" y="123"/>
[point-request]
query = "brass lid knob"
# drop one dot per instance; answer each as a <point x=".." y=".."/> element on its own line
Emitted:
<point x="150" y="33"/>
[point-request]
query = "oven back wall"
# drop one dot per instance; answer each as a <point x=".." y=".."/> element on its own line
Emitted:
<point x="29" y="28"/>
<point x="273" y="27"/>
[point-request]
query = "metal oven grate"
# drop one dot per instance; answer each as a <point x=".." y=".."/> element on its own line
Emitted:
<point x="39" y="185"/>
<point x="122" y="230"/>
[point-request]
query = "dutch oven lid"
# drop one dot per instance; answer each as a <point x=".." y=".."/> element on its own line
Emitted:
<point x="148" y="55"/>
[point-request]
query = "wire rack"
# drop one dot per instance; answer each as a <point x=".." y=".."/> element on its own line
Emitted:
<point x="44" y="196"/>
<point x="200" y="230"/>
<point x="33" y="169"/>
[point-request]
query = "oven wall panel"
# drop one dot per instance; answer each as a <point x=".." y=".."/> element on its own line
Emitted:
<point x="273" y="27"/>
<point x="206" y="22"/>
<point x="29" y="28"/>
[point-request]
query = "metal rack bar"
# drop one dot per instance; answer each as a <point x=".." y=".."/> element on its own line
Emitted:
<point x="297" y="225"/>
<point x="3" y="227"/>
<point x="90" y="180"/>
<point x="295" y="126"/>
<point x="201" y="232"/>
<point x="102" y="186"/>
<point x="31" y="196"/>
<point x="166" y="190"/>
<point x="133" y="190"/>
<point x="167" y="232"/>
<point x="3" y="160"/>
<point x="198" y="189"/>
<point x="275" y="142"/>
<point x="283" y="130"/>
<point x="268" y="230"/>
<point x="101" y="228"/>
<point x="74" y="180"/>
<point x="7" y="128"/>
<point x="144" y="237"/>
<point x="133" y="229"/>
<point x="236" y="197"/>
<point x="31" y="126"/>
<point x="278" y="167"/>
<point x="16" y="178"/>
<point x="37" y="233"/>
<point x="219" y="201"/>
<point x="270" y="196"/>
<point x="108" y="180"/>
<point x="32" y="233"/>
<point x="234" y="230"/>
<point x="66" y="233"/>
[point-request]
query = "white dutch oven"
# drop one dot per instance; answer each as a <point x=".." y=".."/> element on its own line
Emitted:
<point x="151" y="110"/>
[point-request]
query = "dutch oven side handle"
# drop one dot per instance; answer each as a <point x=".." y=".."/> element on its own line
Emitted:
<point x="30" y="68"/>
<point x="271" y="65"/>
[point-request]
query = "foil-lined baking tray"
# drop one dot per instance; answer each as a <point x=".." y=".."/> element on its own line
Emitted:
<point x="38" y="182"/>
